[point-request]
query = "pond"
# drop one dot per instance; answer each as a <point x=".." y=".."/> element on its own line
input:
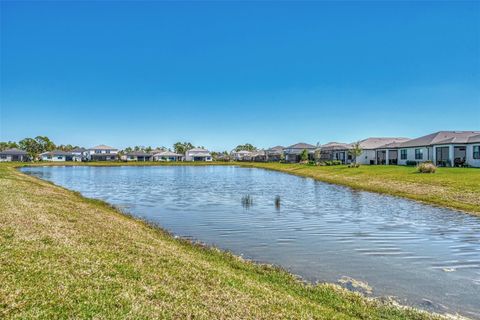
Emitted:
<point x="423" y="256"/>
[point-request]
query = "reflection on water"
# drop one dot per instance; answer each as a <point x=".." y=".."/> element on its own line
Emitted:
<point x="424" y="256"/>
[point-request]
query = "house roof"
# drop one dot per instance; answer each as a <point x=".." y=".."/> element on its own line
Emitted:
<point x="276" y="148"/>
<point x="13" y="151"/>
<point x="376" y="143"/>
<point x="57" y="153"/>
<point x="336" y="146"/>
<point x="198" y="150"/>
<point x="242" y="152"/>
<point x="443" y="137"/>
<point x="102" y="147"/>
<point x="301" y="145"/>
<point x="167" y="154"/>
<point x="138" y="154"/>
<point x="79" y="150"/>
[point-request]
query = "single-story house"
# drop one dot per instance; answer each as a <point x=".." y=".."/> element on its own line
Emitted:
<point x="336" y="151"/>
<point x="378" y="150"/>
<point x="58" y="156"/>
<point x="102" y="153"/>
<point x="274" y="154"/>
<point x="167" y="156"/>
<point x="443" y="148"/>
<point x="241" y="155"/>
<point x="137" y="156"/>
<point x="13" y="155"/>
<point x="292" y="153"/>
<point x="258" y="156"/>
<point x="198" y="154"/>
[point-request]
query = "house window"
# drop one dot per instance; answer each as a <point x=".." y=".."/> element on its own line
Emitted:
<point x="476" y="152"/>
<point x="98" y="151"/>
<point x="418" y="154"/>
<point x="59" y="158"/>
<point x="403" y="154"/>
<point x="3" y="157"/>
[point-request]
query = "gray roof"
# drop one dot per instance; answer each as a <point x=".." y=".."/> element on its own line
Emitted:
<point x="79" y="150"/>
<point x="167" y="154"/>
<point x="57" y="153"/>
<point x="336" y="146"/>
<point x="199" y="150"/>
<point x="13" y="152"/>
<point x="301" y="145"/>
<point x="443" y="137"/>
<point x="138" y="154"/>
<point x="102" y="147"/>
<point x="376" y="143"/>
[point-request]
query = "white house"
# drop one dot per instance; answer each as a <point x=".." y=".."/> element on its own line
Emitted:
<point x="102" y="153"/>
<point x="137" y="156"/>
<point x="378" y="150"/>
<point x="57" y="156"/>
<point x="443" y="148"/>
<point x="80" y="154"/>
<point x="167" y="156"/>
<point x="274" y="153"/>
<point x="13" y="155"/>
<point x="292" y="153"/>
<point x="241" y="155"/>
<point x="198" y="154"/>
<point x="336" y="151"/>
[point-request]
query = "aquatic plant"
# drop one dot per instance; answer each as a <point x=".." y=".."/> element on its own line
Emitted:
<point x="247" y="201"/>
<point x="277" y="202"/>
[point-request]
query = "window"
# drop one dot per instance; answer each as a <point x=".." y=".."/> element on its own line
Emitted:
<point x="476" y="152"/>
<point x="403" y="154"/>
<point x="59" y="157"/>
<point x="3" y="157"/>
<point x="98" y="151"/>
<point x="418" y="154"/>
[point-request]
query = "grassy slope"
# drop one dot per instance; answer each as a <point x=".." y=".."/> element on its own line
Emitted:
<point x="62" y="255"/>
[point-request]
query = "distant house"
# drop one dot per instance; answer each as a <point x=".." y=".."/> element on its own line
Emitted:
<point x="167" y="156"/>
<point x="138" y="156"/>
<point x="80" y="154"/>
<point x="102" y="153"/>
<point x="241" y="155"/>
<point x="336" y="151"/>
<point x="443" y="148"/>
<point x="292" y="153"/>
<point x="274" y="154"/>
<point x="198" y="154"/>
<point x="13" y="155"/>
<point x="258" y="156"/>
<point x="57" y="156"/>
<point x="378" y="150"/>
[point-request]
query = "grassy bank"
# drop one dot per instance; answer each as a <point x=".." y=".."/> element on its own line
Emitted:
<point x="64" y="256"/>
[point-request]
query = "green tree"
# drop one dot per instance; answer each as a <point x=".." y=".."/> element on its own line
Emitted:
<point x="148" y="149"/>
<point x="246" y="146"/>
<point x="8" y="145"/>
<point x="304" y="155"/>
<point x="31" y="146"/>
<point x="181" y="148"/>
<point x="45" y="144"/>
<point x="356" y="151"/>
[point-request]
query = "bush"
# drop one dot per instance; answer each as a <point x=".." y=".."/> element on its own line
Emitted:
<point x="354" y="165"/>
<point x="426" y="167"/>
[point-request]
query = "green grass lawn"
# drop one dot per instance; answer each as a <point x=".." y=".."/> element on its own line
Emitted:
<point x="64" y="256"/>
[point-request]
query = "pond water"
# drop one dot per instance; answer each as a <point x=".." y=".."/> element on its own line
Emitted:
<point x="422" y="255"/>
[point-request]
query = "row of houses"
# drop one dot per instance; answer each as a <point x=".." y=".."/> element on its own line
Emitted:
<point x="444" y="148"/>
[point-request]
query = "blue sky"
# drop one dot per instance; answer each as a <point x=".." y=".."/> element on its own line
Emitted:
<point x="220" y="74"/>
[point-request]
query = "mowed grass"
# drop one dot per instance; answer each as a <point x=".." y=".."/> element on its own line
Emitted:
<point x="64" y="256"/>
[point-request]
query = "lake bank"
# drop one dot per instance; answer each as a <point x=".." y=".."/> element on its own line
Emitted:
<point x="63" y="254"/>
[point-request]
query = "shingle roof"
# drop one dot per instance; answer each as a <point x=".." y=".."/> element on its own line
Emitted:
<point x="443" y="137"/>
<point x="301" y="145"/>
<point x="13" y="151"/>
<point x="139" y="154"/>
<point x="79" y="150"/>
<point x="102" y="147"/>
<point x="336" y="146"/>
<point x="376" y="143"/>
<point x="167" y="154"/>
<point x="57" y="153"/>
<point x="198" y="150"/>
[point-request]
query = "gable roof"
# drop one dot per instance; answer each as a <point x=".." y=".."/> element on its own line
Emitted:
<point x="102" y="147"/>
<point x="336" y="146"/>
<point x="139" y="154"/>
<point x="301" y="145"/>
<point x="198" y="150"/>
<point x="443" y="137"/>
<point x="79" y="150"/>
<point x="57" y="153"/>
<point x="375" y="143"/>
<point x="167" y="154"/>
<point x="13" y="151"/>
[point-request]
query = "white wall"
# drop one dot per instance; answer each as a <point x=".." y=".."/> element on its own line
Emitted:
<point x="427" y="155"/>
<point x="54" y="158"/>
<point x="472" y="162"/>
<point x="7" y="159"/>
<point x="366" y="156"/>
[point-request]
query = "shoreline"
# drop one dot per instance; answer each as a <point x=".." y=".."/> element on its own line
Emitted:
<point x="346" y="303"/>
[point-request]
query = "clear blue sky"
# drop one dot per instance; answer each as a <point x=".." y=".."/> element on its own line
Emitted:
<point x="221" y="74"/>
